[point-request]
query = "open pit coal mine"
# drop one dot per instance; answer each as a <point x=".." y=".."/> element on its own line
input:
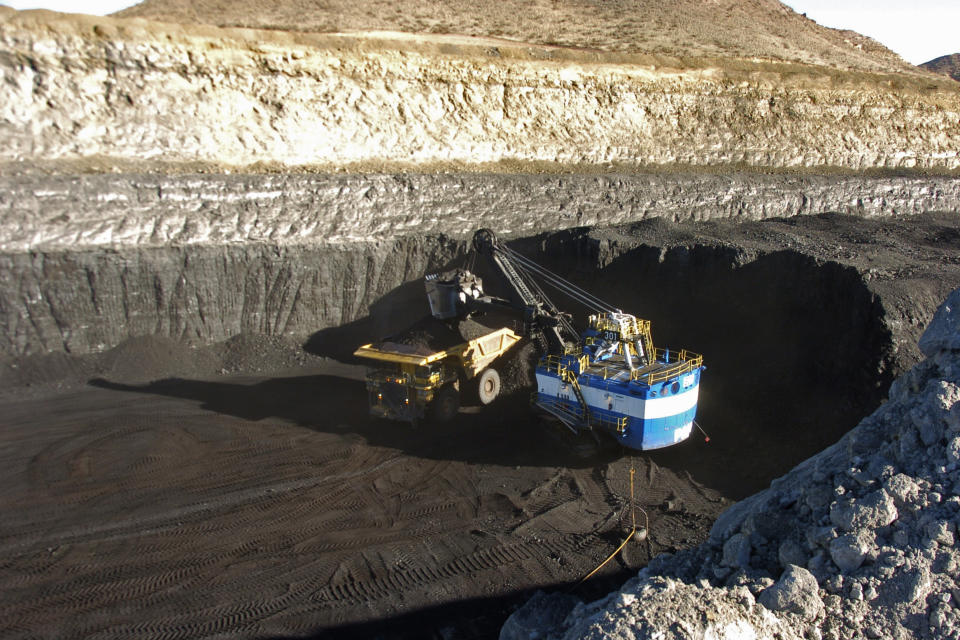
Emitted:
<point x="186" y="449"/>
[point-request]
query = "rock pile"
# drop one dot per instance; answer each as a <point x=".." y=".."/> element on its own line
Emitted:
<point x="856" y="542"/>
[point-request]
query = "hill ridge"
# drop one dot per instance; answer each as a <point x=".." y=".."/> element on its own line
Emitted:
<point x="765" y="29"/>
<point x="948" y="65"/>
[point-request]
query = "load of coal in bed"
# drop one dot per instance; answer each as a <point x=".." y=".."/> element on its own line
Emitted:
<point x="430" y="335"/>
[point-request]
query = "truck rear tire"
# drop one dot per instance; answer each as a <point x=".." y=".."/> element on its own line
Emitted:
<point x="445" y="405"/>
<point x="488" y="385"/>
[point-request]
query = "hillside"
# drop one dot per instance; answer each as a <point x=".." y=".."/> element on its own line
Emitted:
<point x="945" y="65"/>
<point x="764" y="29"/>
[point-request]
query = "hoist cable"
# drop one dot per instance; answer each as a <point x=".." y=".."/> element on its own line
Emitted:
<point x="565" y="286"/>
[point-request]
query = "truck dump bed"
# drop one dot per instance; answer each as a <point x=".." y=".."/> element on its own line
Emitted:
<point x="426" y="361"/>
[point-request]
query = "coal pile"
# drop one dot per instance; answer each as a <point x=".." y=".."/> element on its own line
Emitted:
<point x="430" y="335"/>
<point x="427" y="335"/>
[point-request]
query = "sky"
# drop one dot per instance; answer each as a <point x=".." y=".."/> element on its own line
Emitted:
<point x="919" y="31"/>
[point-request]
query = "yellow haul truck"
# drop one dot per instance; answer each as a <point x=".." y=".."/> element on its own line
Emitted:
<point x="413" y="382"/>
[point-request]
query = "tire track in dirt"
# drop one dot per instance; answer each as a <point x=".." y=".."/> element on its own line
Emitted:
<point x="204" y="524"/>
<point x="198" y="510"/>
<point x="73" y="593"/>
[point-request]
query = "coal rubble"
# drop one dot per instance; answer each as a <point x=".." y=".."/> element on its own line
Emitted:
<point x="858" y="541"/>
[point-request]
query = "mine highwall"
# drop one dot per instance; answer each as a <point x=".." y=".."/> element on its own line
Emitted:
<point x="335" y="297"/>
<point x="90" y="261"/>
<point x="112" y="211"/>
<point x="777" y="326"/>
<point x="111" y="92"/>
<point x="89" y="301"/>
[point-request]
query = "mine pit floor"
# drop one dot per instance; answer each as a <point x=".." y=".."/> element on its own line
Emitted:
<point x="274" y="506"/>
<point x="263" y="501"/>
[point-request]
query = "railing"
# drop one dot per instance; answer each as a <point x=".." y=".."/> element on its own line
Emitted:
<point x="556" y="363"/>
<point x="430" y="381"/>
<point x="607" y="370"/>
<point x="677" y="363"/>
<point x="685" y="361"/>
<point x="626" y="326"/>
<point x="567" y="412"/>
<point x="602" y="417"/>
<point x="553" y="363"/>
<point x="563" y="410"/>
<point x="559" y="363"/>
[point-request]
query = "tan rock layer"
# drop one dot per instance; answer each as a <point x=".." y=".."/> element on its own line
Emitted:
<point x="124" y="91"/>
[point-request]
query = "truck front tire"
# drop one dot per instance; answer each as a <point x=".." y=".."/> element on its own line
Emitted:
<point x="446" y="404"/>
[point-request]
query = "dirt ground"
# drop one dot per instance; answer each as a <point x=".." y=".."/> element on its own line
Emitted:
<point x="241" y="490"/>
<point x="273" y="506"/>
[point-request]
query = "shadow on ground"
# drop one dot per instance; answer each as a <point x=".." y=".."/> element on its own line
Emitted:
<point x="469" y="619"/>
<point x="505" y="433"/>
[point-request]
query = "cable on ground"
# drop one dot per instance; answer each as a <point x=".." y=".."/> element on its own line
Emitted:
<point x="633" y="530"/>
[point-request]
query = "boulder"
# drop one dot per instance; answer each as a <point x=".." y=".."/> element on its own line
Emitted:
<point x="542" y="614"/>
<point x="795" y="592"/>
<point x="943" y="332"/>
<point x="876" y="509"/>
<point x="850" y="550"/>
<point x="736" y="552"/>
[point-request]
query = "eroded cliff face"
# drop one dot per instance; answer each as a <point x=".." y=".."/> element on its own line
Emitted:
<point x="112" y="92"/>
<point x="83" y="302"/>
<point x="90" y="261"/>
<point x="72" y="213"/>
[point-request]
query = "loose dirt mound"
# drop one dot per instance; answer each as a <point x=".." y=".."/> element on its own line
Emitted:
<point x="148" y="358"/>
<point x="684" y="28"/>
<point x="145" y="358"/>
<point x="430" y="334"/>
<point x="427" y="335"/>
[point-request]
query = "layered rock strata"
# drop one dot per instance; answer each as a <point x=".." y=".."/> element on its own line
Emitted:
<point x="53" y="213"/>
<point x="109" y="92"/>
